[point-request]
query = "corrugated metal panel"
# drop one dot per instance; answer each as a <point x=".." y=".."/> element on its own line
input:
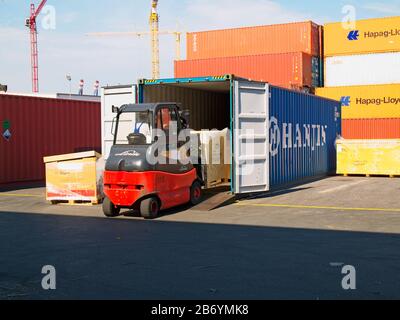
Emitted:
<point x="44" y="127"/>
<point x="280" y="38"/>
<point x="366" y="69"/>
<point x="368" y="36"/>
<point x="65" y="96"/>
<point x="289" y="70"/>
<point x="371" y="129"/>
<point x="368" y="157"/>
<point x="303" y="131"/>
<point x="208" y="109"/>
<point x="366" y="102"/>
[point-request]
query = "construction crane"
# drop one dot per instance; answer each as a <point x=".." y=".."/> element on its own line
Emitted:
<point x="177" y="34"/>
<point x="154" y="33"/>
<point x="155" y="44"/>
<point x="31" y="24"/>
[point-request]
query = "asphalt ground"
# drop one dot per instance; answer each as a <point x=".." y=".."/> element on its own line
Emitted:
<point x="286" y="245"/>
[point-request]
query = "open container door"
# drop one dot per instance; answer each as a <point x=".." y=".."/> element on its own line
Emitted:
<point x="117" y="96"/>
<point x="250" y="137"/>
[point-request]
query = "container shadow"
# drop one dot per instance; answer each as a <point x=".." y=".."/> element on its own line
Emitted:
<point x="99" y="258"/>
<point x="207" y="195"/>
<point x="287" y="189"/>
<point x="22" y="186"/>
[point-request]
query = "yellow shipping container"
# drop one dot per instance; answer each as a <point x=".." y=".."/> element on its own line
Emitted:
<point x="73" y="177"/>
<point x="368" y="36"/>
<point x="368" y="157"/>
<point x="366" y="102"/>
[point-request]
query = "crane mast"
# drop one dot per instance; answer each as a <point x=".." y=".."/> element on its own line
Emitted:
<point x="31" y="24"/>
<point x="154" y="34"/>
<point x="154" y="30"/>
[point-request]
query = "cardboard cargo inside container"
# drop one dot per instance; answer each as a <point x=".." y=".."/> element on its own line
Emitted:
<point x="215" y="155"/>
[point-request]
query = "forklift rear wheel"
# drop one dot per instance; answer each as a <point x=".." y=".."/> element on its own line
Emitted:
<point x="109" y="208"/>
<point x="195" y="193"/>
<point x="149" y="208"/>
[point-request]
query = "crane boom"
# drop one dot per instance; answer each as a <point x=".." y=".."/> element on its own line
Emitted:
<point x="178" y="36"/>
<point x="31" y="24"/>
<point x="40" y="7"/>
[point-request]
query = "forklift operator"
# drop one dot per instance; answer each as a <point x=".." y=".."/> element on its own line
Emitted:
<point x="143" y="125"/>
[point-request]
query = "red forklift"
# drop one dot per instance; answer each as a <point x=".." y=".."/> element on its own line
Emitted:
<point x="134" y="176"/>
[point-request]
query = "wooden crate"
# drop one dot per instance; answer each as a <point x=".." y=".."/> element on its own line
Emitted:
<point x="74" y="178"/>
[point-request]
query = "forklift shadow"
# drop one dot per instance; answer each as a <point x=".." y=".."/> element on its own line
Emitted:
<point x="212" y="199"/>
<point x="216" y="198"/>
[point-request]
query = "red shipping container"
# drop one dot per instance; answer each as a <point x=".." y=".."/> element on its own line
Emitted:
<point x="371" y="129"/>
<point x="272" y="39"/>
<point x="42" y="127"/>
<point x="289" y="70"/>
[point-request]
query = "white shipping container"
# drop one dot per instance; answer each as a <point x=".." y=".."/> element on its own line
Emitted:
<point x="366" y="69"/>
<point x="117" y="96"/>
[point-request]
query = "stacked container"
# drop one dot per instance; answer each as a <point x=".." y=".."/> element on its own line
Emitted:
<point x="287" y="55"/>
<point x="362" y="70"/>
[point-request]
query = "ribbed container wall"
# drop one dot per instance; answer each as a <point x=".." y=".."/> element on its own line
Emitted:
<point x="271" y="39"/>
<point x="208" y="109"/>
<point x="44" y="127"/>
<point x="371" y="128"/>
<point x="367" y="69"/>
<point x="296" y="157"/>
<point x="366" y="102"/>
<point x="368" y="36"/>
<point x="288" y="70"/>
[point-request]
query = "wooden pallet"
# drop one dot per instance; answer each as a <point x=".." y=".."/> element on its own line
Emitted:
<point x="76" y="202"/>
<point x="216" y="183"/>
<point x="370" y="175"/>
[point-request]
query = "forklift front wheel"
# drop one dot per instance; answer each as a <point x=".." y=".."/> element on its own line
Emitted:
<point x="149" y="208"/>
<point x="109" y="209"/>
<point x="195" y="193"/>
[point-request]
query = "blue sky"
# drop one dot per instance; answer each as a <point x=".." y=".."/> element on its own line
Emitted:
<point x="66" y="49"/>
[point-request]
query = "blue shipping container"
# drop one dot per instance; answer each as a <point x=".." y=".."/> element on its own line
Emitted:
<point x="279" y="137"/>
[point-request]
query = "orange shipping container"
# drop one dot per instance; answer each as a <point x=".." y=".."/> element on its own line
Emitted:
<point x="272" y="39"/>
<point x="290" y="70"/>
<point x="371" y="129"/>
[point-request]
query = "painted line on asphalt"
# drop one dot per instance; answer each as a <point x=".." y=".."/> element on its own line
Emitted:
<point x="247" y="204"/>
<point x="344" y="186"/>
<point x="13" y="195"/>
